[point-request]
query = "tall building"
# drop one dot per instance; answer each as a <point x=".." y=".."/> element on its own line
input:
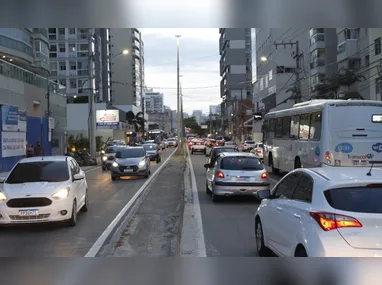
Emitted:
<point x="354" y="52"/>
<point x="323" y="57"/>
<point x="375" y="35"/>
<point x="154" y="101"/>
<point x="198" y="115"/>
<point x="276" y="68"/>
<point x="235" y="68"/>
<point x="24" y="86"/>
<point x="128" y="71"/>
<point x="215" y="109"/>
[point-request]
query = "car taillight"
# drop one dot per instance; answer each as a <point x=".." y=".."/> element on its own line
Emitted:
<point x="264" y="175"/>
<point x="245" y="145"/>
<point x="219" y="174"/>
<point x="199" y="143"/>
<point x="330" y="221"/>
<point x="258" y="150"/>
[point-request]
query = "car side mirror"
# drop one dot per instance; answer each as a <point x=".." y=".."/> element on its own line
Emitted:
<point x="263" y="194"/>
<point x="207" y="165"/>
<point x="79" y="176"/>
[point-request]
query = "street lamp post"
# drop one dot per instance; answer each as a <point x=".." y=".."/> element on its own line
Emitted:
<point x="178" y="95"/>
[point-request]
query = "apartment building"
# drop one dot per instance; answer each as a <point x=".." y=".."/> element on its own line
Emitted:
<point x="353" y="53"/>
<point x="235" y="68"/>
<point x="375" y="63"/>
<point x="198" y="115"/>
<point x="154" y="101"/>
<point x="323" y="58"/>
<point x="24" y="86"/>
<point x="127" y="71"/>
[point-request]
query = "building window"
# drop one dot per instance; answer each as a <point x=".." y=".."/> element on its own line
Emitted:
<point x="72" y="47"/>
<point x="270" y="75"/>
<point x="73" y="65"/>
<point x="72" y="31"/>
<point x="53" y="65"/>
<point x="377" y="46"/>
<point x="367" y="60"/>
<point x="63" y="82"/>
<point x="61" y="31"/>
<point x="63" y="65"/>
<point x="62" y="47"/>
<point x="53" y="48"/>
<point x="52" y="30"/>
<point x="73" y="83"/>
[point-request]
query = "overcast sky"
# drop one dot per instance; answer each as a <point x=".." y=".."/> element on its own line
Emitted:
<point x="199" y="65"/>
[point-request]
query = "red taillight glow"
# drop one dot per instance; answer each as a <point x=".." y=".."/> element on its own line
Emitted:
<point x="265" y="175"/>
<point x="330" y="221"/>
<point x="258" y="150"/>
<point x="219" y="174"/>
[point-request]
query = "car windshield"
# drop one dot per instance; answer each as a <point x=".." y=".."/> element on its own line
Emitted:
<point x="111" y="150"/>
<point x="260" y="145"/>
<point x="241" y="163"/>
<point x="356" y="199"/>
<point x="220" y="150"/>
<point x="150" y="147"/>
<point x="39" y="171"/>
<point x="230" y="143"/>
<point x="130" y="153"/>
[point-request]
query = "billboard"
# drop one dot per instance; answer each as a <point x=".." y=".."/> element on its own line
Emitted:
<point x="107" y="117"/>
<point x="13" y="144"/>
<point x="10" y="117"/>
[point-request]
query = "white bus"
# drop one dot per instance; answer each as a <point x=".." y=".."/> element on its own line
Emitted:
<point x="331" y="132"/>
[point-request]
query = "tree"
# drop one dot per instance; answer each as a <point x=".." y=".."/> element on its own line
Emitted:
<point x="191" y="123"/>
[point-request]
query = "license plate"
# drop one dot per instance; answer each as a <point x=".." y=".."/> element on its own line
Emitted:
<point x="28" y="213"/>
<point x="241" y="179"/>
<point x="128" y="170"/>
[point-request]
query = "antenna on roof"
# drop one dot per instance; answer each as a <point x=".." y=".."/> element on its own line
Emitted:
<point x="372" y="164"/>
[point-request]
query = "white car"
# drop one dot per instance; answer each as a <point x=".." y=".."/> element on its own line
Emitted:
<point x="322" y="212"/>
<point x="248" y="145"/>
<point x="198" y="146"/>
<point x="43" y="189"/>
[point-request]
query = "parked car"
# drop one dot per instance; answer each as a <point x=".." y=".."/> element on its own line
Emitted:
<point x="153" y="151"/>
<point x="108" y="157"/>
<point x="198" y="146"/>
<point x="130" y="162"/>
<point x="39" y="190"/>
<point x="248" y="145"/>
<point x="235" y="173"/>
<point x="322" y="212"/>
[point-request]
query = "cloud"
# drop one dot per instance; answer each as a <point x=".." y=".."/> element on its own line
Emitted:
<point x="199" y="65"/>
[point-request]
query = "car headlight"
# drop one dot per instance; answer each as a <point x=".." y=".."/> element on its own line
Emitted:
<point x="2" y="197"/>
<point x="104" y="158"/>
<point x="62" y="194"/>
<point x="115" y="164"/>
<point x="142" y="163"/>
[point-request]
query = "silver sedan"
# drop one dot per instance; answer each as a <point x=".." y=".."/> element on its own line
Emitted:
<point x="130" y="162"/>
<point x="235" y="173"/>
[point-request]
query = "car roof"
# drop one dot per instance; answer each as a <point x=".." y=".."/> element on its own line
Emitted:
<point x="246" y="154"/>
<point x="44" y="158"/>
<point x="340" y="174"/>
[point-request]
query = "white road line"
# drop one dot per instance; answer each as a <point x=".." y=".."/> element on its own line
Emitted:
<point x="89" y="170"/>
<point x="201" y="250"/>
<point x="101" y="240"/>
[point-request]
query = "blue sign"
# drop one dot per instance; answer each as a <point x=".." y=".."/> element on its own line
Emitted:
<point x="344" y="148"/>
<point x="10" y="117"/>
<point x="134" y="135"/>
<point x="317" y="151"/>
<point x="377" y="147"/>
<point x="108" y="124"/>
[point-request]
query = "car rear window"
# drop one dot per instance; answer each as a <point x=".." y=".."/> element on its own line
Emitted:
<point x="356" y="199"/>
<point x="241" y="163"/>
<point x="220" y="150"/>
<point x="250" y="142"/>
<point x="261" y="145"/>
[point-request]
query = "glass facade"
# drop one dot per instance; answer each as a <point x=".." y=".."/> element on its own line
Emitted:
<point x="17" y="39"/>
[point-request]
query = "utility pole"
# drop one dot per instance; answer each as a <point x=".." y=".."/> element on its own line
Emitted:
<point x="297" y="55"/>
<point x="235" y="118"/>
<point x="178" y="97"/>
<point x="242" y="115"/>
<point x="92" y="112"/>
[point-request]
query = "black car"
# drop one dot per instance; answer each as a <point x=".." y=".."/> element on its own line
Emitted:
<point x="153" y="150"/>
<point x="219" y="149"/>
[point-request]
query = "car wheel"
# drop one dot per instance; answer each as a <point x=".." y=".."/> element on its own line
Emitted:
<point x="113" y="177"/>
<point x="192" y="151"/>
<point x="214" y="197"/>
<point x="261" y="249"/>
<point x="73" y="219"/>
<point x="85" y="207"/>
<point x="147" y="173"/>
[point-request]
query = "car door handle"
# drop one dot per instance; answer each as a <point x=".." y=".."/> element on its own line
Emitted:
<point x="279" y="209"/>
<point x="297" y="216"/>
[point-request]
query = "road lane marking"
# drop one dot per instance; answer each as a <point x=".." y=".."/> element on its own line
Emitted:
<point x="93" y="251"/>
<point x="199" y="234"/>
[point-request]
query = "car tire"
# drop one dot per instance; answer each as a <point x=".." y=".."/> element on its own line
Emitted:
<point x="205" y="152"/>
<point x="113" y="177"/>
<point x="85" y="207"/>
<point x="73" y="219"/>
<point x="261" y="249"/>
<point x="147" y="173"/>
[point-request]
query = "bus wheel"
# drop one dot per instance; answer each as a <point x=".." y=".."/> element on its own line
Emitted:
<point x="297" y="163"/>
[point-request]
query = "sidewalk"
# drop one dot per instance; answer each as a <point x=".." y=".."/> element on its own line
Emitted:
<point x="155" y="229"/>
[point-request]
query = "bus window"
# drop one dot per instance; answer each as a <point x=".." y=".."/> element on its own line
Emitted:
<point x="278" y="128"/>
<point x="294" y="126"/>
<point x="272" y="129"/>
<point x="304" y="127"/>
<point x="315" y="126"/>
<point x="286" y="127"/>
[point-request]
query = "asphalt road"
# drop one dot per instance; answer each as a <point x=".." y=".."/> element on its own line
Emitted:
<point x="106" y="199"/>
<point x="227" y="225"/>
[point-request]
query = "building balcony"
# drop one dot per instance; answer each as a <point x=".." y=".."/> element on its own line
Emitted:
<point x="317" y="66"/>
<point x="347" y="49"/>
